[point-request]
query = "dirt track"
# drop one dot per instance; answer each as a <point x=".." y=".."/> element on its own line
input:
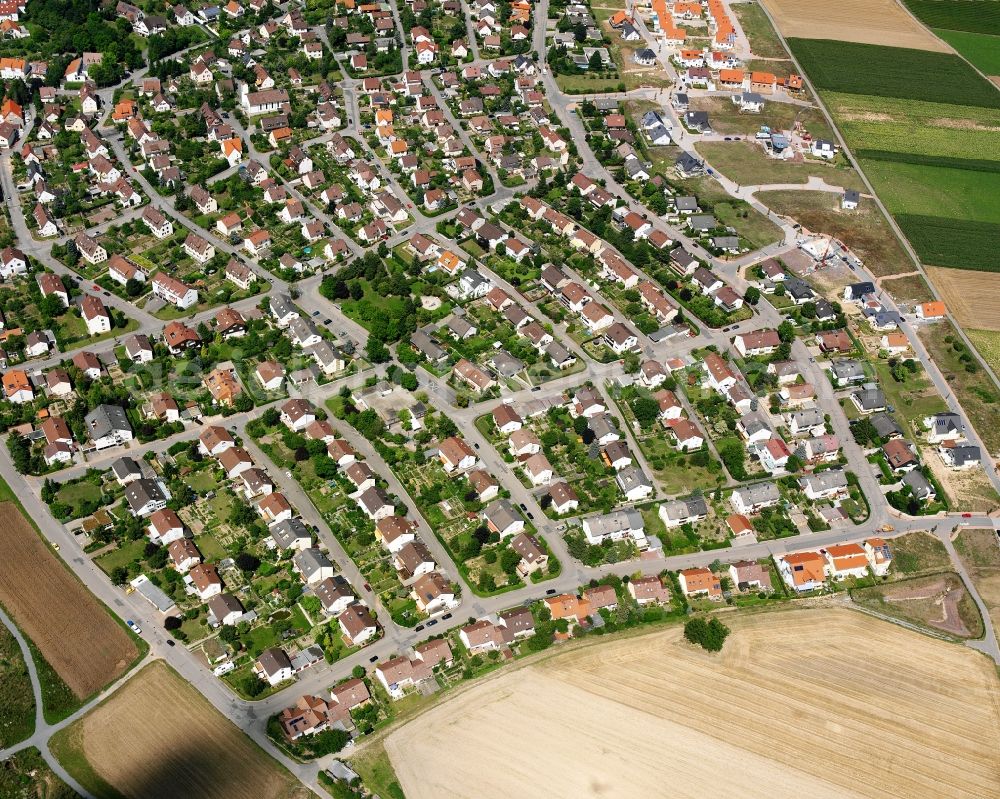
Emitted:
<point x="69" y="626"/>
<point x="865" y="21"/>
<point x="818" y="703"/>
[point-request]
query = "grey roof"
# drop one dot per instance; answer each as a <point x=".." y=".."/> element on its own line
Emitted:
<point x="885" y="425"/>
<point x="945" y="423"/>
<point x="614" y="522"/>
<point x="274" y="660"/>
<point x="858" y="290"/>
<point x="965" y="453"/>
<point x="506" y="364"/>
<point x="125" y="467"/>
<point x="601" y="425"/>
<point x="686" y="203"/>
<point x="798" y="288"/>
<point x="140" y="493"/>
<point x="919" y="484"/>
<point x="324" y="352"/>
<point x="281" y="306"/>
<point x="460" y="327"/>
<point x="557" y="352"/>
<point x="501" y="514"/>
<point x="426" y="346"/>
<point x="152" y="593"/>
<point x="870" y="399"/>
<point x="632" y="477"/>
<point x="690" y="508"/>
<point x="808" y="417"/>
<point x="754" y="422"/>
<point x="302" y="329"/>
<point x="758" y="493"/>
<point x="309" y="561"/>
<point x="373" y="499"/>
<point x="825" y="481"/>
<point x="848" y="369"/>
<point x="285" y="533"/>
<point x="105" y="420"/>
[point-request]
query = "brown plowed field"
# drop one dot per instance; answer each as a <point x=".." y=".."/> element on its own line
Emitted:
<point x="158" y="738"/>
<point x="819" y="703"/>
<point x="73" y="631"/>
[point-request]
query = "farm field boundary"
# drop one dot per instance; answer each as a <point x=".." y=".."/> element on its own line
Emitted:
<point x="885" y="23"/>
<point x="901" y="72"/>
<point x="958" y="15"/>
<point x="953" y="243"/>
<point x="888" y="704"/>
<point x="75" y="635"/>
<point x="158" y="738"/>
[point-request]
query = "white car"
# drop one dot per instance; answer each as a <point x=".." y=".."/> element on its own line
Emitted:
<point x="134" y="627"/>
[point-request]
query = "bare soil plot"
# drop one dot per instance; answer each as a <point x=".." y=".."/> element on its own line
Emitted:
<point x="972" y="297"/>
<point x="865" y="21"/>
<point x="158" y="738"/>
<point x="939" y="601"/>
<point x="73" y="631"/>
<point x="980" y="552"/>
<point x="911" y="289"/>
<point x="825" y="702"/>
<point x="865" y="230"/>
<point x="968" y="490"/>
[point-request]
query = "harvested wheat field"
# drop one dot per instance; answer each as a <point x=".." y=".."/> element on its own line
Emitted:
<point x="824" y="703"/>
<point x="158" y="738"/>
<point x="73" y="631"/>
<point x="972" y="297"/>
<point x="865" y="21"/>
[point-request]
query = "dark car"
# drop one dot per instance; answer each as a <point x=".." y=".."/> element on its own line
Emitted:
<point x="418" y="628"/>
<point x="550" y="592"/>
<point x="170" y="642"/>
<point x="432" y="622"/>
<point x="446" y="616"/>
<point x="373" y="659"/>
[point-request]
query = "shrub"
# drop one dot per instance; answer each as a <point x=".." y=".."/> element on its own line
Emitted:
<point x="709" y="634"/>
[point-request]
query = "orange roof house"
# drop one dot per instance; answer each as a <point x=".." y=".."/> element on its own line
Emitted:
<point x="731" y="77"/>
<point x="847" y="560"/>
<point x="568" y="606"/>
<point x="803" y="571"/>
<point x="10" y="107"/>
<point x="931" y="310"/>
<point x="123" y="110"/>
<point x="700" y="581"/>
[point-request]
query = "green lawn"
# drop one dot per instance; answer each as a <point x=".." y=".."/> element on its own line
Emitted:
<point x="75" y="494"/>
<point x="764" y="42"/>
<point x="17" y="702"/>
<point x="913" y="399"/>
<point x="122" y="556"/>
<point x="748" y="223"/>
<point x="584" y="84"/>
<point x="968" y="15"/>
<point x="210" y="548"/>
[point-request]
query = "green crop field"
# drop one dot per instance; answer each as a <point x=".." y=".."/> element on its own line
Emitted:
<point x="892" y="72"/>
<point x="958" y="243"/>
<point x="936" y="191"/>
<point x="971" y="164"/>
<point x="981" y="16"/>
<point x="913" y="126"/>
<point x="982" y="49"/>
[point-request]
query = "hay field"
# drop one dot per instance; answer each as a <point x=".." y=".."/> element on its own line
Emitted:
<point x="158" y="738"/>
<point x="972" y="297"/>
<point x="864" y="21"/>
<point x="73" y="631"/>
<point x="824" y="703"/>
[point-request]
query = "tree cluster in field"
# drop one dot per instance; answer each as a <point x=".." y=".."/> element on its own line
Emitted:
<point x="710" y="634"/>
